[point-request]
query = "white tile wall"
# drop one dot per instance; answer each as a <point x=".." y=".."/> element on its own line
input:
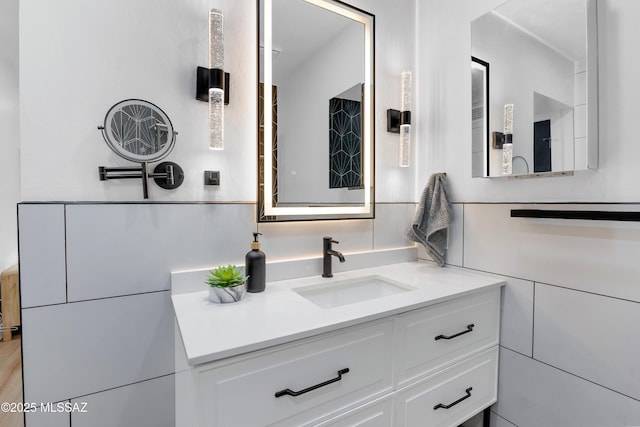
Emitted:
<point x="599" y="338"/>
<point x="47" y="419"/>
<point x="580" y="88"/>
<point x="456" y="237"/>
<point x="391" y="224"/>
<point x="495" y="421"/>
<point x="144" y="404"/>
<point x="516" y="323"/>
<point x="594" y="256"/>
<point x="533" y="394"/>
<point x="581" y="153"/>
<point x="498" y="421"/>
<point x="580" y="121"/>
<point x="120" y="249"/>
<point x="42" y="254"/>
<point x="569" y="354"/>
<point x="304" y="239"/>
<point x="193" y="280"/>
<point x="75" y="349"/>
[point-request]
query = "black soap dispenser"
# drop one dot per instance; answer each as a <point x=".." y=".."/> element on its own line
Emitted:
<point x="254" y="266"/>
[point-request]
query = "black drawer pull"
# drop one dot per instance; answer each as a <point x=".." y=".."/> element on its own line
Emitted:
<point x="313" y="387"/>
<point x="444" y="337"/>
<point x="440" y="405"/>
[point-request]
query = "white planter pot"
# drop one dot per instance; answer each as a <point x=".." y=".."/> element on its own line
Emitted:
<point x="226" y="295"/>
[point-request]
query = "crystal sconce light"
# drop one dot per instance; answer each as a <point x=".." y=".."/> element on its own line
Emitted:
<point x="212" y="84"/>
<point x="507" y="146"/>
<point x="400" y="121"/>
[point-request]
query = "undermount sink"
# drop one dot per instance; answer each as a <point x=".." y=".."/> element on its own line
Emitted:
<point x="349" y="291"/>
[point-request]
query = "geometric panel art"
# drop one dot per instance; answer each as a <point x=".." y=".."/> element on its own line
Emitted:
<point x="345" y="143"/>
<point x="274" y="150"/>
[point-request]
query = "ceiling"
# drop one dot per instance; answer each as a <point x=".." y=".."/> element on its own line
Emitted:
<point x="559" y="24"/>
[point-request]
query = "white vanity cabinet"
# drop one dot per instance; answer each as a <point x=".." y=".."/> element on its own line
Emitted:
<point x="432" y="366"/>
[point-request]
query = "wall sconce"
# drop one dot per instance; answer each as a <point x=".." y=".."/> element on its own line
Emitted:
<point x="212" y="84"/>
<point x="507" y="146"/>
<point x="400" y="121"/>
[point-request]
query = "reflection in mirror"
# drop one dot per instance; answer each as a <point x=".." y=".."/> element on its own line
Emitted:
<point x="479" y="114"/>
<point x="138" y="131"/>
<point x="316" y="111"/>
<point x="542" y="55"/>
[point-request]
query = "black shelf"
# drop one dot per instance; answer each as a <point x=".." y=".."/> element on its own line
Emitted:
<point x="586" y="215"/>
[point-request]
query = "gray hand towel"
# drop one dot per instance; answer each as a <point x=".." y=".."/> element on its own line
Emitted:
<point x="433" y="218"/>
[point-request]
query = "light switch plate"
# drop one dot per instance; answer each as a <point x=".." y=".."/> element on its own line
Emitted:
<point x="211" y="177"/>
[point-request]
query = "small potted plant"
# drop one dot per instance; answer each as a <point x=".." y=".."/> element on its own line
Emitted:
<point x="227" y="284"/>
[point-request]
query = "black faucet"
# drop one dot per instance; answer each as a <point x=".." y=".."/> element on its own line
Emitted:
<point x="327" y="252"/>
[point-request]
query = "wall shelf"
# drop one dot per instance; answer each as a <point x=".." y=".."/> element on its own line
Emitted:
<point x="567" y="214"/>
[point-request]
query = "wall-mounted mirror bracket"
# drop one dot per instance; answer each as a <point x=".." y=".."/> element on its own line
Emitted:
<point x="207" y="78"/>
<point x="140" y="132"/>
<point x="167" y="175"/>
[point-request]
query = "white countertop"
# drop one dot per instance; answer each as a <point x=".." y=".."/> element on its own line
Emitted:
<point x="278" y="315"/>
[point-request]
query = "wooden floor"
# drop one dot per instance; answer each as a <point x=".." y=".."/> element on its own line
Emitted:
<point x="11" y="380"/>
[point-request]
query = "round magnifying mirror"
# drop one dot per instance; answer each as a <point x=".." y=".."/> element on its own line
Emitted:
<point x="138" y="131"/>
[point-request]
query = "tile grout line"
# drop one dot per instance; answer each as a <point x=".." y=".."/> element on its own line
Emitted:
<point x="66" y="258"/>
<point x="533" y="320"/>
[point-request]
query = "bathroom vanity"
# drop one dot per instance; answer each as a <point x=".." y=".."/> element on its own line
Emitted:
<point x="405" y="345"/>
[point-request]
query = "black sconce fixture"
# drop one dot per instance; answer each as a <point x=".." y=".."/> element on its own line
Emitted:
<point x="207" y="78"/>
<point x="498" y="139"/>
<point x="396" y="118"/>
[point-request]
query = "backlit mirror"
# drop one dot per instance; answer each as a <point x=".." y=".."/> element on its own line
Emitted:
<point x="316" y="83"/>
<point x="534" y="89"/>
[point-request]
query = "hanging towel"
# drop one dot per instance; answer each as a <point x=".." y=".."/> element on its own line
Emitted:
<point x="433" y="218"/>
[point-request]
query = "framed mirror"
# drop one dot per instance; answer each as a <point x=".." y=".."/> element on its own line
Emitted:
<point x="316" y="111"/>
<point x="536" y="113"/>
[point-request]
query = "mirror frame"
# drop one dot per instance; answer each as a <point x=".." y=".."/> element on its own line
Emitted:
<point x="484" y="66"/>
<point x="592" y="154"/>
<point x="266" y="211"/>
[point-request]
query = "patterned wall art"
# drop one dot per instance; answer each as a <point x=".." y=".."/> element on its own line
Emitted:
<point x="345" y="143"/>
<point x="274" y="153"/>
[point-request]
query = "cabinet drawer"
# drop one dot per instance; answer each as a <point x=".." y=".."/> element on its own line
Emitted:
<point x="376" y="414"/>
<point x="451" y="396"/>
<point x="242" y="391"/>
<point x="440" y="335"/>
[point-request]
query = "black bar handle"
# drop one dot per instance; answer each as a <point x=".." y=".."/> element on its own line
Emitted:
<point x="313" y="387"/>
<point x="445" y="337"/>
<point x="566" y="214"/>
<point x="468" y="395"/>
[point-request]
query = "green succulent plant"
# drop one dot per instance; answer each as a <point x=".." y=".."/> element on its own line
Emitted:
<point x="226" y="277"/>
